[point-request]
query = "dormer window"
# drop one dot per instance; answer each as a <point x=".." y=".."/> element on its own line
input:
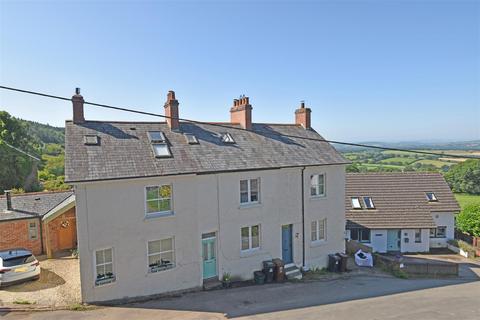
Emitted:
<point x="368" y="203"/>
<point x="356" y="203"/>
<point x="227" y="138"/>
<point x="159" y="144"/>
<point x="431" y="197"/>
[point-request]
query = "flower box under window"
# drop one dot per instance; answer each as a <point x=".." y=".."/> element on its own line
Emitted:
<point x="161" y="266"/>
<point x="104" y="279"/>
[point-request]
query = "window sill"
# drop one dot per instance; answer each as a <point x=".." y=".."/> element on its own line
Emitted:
<point x="150" y="272"/>
<point x="318" y="197"/>
<point x="105" y="282"/>
<point x="249" y="205"/>
<point x="154" y="215"/>
<point x="317" y="243"/>
<point x="249" y="253"/>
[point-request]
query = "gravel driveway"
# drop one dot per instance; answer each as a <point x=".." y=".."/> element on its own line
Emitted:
<point x="59" y="285"/>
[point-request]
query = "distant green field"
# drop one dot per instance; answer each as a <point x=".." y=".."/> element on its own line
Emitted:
<point x="405" y="161"/>
<point x="436" y="163"/>
<point x="402" y="153"/>
<point x="375" y="165"/>
<point x="467" y="199"/>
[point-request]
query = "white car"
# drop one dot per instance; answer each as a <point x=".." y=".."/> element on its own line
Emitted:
<point x="18" y="265"/>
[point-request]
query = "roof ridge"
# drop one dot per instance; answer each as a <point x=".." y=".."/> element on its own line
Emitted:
<point x="38" y="193"/>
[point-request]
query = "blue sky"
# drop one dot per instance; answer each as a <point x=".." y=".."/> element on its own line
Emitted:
<point x="370" y="70"/>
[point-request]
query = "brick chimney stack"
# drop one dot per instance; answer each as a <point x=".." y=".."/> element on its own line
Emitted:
<point x="241" y="112"/>
<point x="77" y="101"/>
<point x="8" y="196"/>
<point x="171" y="111"/>
<point x="302" y="116"/>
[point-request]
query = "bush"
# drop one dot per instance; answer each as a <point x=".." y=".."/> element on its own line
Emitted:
<point x="468" y="220"/>
<point x="465" y="177"/>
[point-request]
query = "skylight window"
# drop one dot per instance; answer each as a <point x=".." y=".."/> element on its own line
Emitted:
<point x="161" y="150"/>
<point x="91" y="140"/>
<point x="159" y="144"/>
<point x="156" y="136"/>
<point x="191" y="138"/>
<point x="227" y="138"/>
<point x="368" y="203"/>
<point x="356" y="203"/>
<point x="431" y="197"/>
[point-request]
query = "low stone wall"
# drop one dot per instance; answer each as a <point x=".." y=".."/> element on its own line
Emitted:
<point x="352" y="246"/>
<point x="417" y="268"/>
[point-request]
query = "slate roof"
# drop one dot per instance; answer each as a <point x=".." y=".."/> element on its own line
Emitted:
<point x="31" y="205"/>
<point x="127" y="153"/>
<point x="399" y="198"/>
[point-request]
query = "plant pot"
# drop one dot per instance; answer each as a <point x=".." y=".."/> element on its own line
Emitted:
<point x="226" y="284"/>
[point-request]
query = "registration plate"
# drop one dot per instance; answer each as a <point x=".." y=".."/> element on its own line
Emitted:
<point x="21" y="270"/>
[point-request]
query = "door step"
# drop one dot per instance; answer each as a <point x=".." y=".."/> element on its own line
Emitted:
<point x="212" y="284"/>
<point x="292" y="271"/>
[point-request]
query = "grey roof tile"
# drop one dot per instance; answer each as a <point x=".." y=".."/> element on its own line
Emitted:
<point x="126" y="153"/>
<point x="31" y="205"/>
<point x="400" y="199"/>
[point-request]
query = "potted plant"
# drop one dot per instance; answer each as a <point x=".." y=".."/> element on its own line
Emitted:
<point x="226" y="280"/>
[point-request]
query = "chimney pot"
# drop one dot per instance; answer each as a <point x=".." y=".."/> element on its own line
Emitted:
<point x="241" y="112"/>
<point x="8" y="196"/>
<point x="77" y="102"/>
<point x="171" y="111"/>
<point x="303" y="116"/>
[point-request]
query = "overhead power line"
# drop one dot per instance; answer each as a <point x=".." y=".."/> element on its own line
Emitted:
<point x="19" y="150"/>
<point x="237" y="128"/>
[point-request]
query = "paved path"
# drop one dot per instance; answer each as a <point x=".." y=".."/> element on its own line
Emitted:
<point x="355" y="298"/>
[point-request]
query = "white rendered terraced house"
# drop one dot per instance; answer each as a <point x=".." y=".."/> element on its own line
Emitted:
<point x="163" y="206"/>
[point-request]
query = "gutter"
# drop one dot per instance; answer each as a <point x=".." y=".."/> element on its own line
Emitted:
<point x="303" y="216"/>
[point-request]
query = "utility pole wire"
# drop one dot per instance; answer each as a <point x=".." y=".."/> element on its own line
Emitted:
<point x="19" y="150"/>
<point x="236" y="128"/>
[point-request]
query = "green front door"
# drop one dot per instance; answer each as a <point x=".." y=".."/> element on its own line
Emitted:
<point x="209" y="258"/>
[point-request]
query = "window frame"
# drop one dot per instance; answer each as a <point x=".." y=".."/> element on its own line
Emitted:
<point x="371" y="201"/>
<point x="317" y="230"/>
<point x="227" y="138"/>
<point x="250" y="239"/>
<point x="359" y="234"/>
<point x="359" y="203"/>
<point x="434" y="197"/>
<point x="103" y="282"/>
<point x="159" y="268"/>
<point x="249" y="191"/>
<point x="34" y="229"/>
<point x="435" y="232"/>
<point x="158" y="213"/>
<point x="419" y="233"/>
<point x="317" y="186"/>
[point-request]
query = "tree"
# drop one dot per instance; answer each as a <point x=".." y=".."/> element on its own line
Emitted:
<point x="352" y="168"/>
<point x="16" y="168"/>
<point x="469" y="220"/>
<point x="465" y="177"/>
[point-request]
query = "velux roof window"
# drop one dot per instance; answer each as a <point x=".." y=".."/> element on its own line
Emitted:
<point x="227" y="138"/>
<point x="356" y="203"/>
<point x="159" y="144"/>
<point x="91" y="140"/>
<point x="156" y="136"/>
<point x="368" y="203"/>
<point x="431" y="196"/>
<point x="191" y="138"/>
